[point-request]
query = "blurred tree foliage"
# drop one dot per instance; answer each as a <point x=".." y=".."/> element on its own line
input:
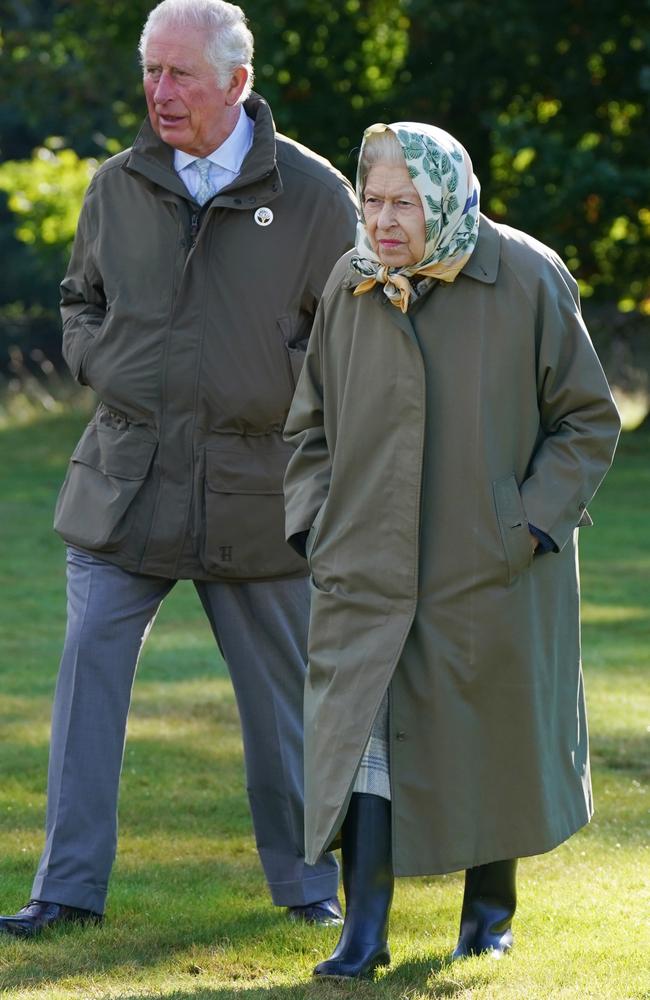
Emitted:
<point x="550" y="98"/>
<point x="44" y="195"/>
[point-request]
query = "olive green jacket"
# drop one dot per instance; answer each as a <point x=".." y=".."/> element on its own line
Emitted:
<point x="191" y="327"/>
<point x="425" y="445"/>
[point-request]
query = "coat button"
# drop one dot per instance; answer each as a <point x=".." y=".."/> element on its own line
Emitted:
<point x="401" y="736"/>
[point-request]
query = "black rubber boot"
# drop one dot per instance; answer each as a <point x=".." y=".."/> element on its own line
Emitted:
<point x="488" y="908"/>
<point x="368" y="884"/>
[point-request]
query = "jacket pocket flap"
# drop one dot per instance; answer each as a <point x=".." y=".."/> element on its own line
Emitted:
<point x="123" y="453"/>
<point x="251" y="464"/>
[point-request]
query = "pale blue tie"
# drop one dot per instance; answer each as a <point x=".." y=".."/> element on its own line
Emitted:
<point x="206" y="187"/>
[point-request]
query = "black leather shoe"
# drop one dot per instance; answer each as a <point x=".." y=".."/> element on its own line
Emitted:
<point x="326" y="912"/>
<point x="38" y="915"/>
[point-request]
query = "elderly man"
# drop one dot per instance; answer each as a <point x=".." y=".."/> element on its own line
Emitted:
<point x="199" y="259"/>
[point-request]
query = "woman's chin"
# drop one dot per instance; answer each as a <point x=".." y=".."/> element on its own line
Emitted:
<point x="395" y="259"/>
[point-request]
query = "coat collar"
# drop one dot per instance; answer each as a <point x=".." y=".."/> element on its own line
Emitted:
<point x="483" y="265"/>
<point x="258" y="182"/>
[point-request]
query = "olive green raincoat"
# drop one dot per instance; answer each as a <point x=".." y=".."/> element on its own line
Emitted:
<point x="426" y="444"/>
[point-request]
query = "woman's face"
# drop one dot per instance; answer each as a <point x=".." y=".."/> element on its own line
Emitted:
<point x="394" y="215"/>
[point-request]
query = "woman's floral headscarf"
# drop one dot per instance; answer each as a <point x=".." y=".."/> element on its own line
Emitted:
<point x="442" y="174"/>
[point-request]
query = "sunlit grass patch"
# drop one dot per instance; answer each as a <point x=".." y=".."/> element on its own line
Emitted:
<point x="189" y="915"/>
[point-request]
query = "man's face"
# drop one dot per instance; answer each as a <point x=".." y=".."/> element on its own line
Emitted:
<point x="187" y="107"/>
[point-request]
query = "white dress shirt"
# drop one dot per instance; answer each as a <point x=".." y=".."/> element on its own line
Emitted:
<point x="225" y="161"/>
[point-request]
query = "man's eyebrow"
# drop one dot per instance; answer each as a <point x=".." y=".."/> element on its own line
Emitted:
<point x="174" y="67"/>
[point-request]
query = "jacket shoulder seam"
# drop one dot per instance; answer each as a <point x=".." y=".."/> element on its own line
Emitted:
<point x="324" y="174"/>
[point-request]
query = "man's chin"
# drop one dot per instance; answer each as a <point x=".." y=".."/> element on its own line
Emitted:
<point x="173" y="133"/>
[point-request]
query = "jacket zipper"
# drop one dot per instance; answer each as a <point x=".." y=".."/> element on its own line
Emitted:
<point x="194" y="229"/>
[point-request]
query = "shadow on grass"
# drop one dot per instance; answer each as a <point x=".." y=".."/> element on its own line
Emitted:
<point x="400" y="980"/>
<point x="221" y="924"/>
<point x="133" y="938"/>
<point x="415" y="975"/>
<point x="621" y="752"/>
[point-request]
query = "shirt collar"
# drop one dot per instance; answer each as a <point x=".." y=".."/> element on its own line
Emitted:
<point x="230" y="154"/>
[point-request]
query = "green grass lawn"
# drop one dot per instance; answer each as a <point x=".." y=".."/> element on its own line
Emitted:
<point x="189" y="917"/>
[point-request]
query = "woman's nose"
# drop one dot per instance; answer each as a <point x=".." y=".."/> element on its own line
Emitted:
<point x="386" y="216"/>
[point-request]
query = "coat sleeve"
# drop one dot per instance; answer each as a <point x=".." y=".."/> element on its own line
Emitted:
<point x="83" y="303"/>
<point x="306" y="482"/>
<point x="579" y="420"/>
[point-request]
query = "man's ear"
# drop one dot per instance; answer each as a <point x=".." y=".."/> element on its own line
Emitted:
<point x="237" y="83"/>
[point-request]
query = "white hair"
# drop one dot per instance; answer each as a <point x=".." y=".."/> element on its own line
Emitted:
<point x="379" y="147"/>
<point x="228" y="39"/>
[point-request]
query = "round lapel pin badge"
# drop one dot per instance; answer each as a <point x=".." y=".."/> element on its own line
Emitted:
<point x="263" y="216"/>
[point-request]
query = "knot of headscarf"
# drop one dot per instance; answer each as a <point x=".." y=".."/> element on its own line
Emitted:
<point x="442" y="174"/>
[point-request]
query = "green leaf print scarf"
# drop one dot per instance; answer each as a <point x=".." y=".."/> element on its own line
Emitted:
<point x="442" y="174"/>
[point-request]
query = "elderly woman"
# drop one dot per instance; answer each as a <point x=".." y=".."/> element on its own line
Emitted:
<point x="451" y="424"/>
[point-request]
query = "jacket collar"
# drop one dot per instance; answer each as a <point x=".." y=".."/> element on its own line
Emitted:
<point x="258" y="182"/>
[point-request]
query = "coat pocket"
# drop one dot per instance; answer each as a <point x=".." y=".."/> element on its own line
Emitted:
<point x="106" y="471"/>
<point x="243" y="523"/>
<point x="513" y="526"/>
<point x="296" y="349"/>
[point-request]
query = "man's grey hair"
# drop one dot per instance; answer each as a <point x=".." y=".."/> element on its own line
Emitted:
<point x="228" y="39"/>
<point x="379" y="147"/>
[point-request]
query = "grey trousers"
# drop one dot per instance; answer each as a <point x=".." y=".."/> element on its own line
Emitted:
<point x="261" y="629"/>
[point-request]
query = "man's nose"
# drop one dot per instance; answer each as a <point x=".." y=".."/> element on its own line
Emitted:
<point x="164" y="88"/>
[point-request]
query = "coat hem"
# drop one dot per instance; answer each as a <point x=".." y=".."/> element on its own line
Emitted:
<point x="507" y="853"/>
